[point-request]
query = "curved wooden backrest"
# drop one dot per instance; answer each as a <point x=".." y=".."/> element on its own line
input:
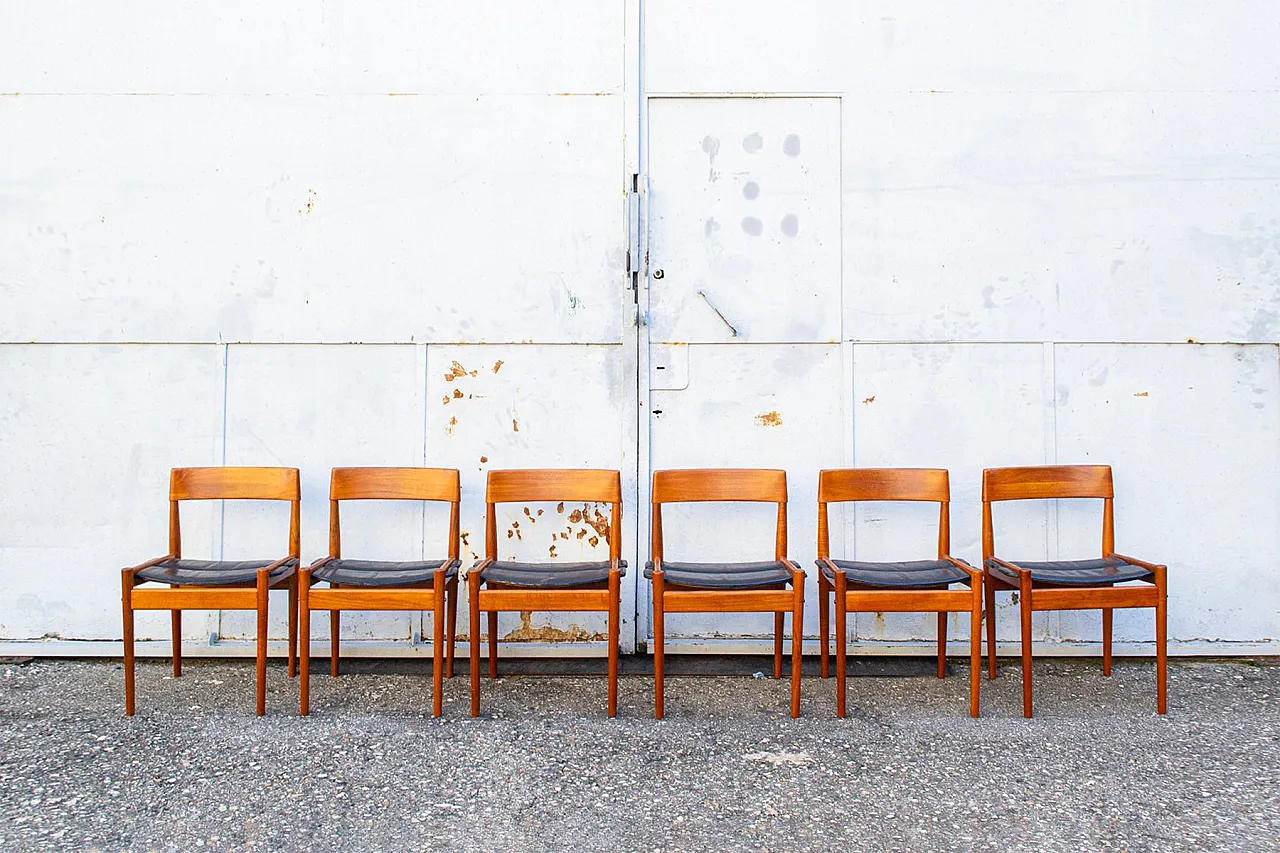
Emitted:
<point x="396" y="484"/>
<point x="682" y="485"/>
<point x="410" y="484"/>
<point x="232" y="483"/>
<point x="554" y="484"/>
<point x="1045" y="482"/>
<point x="689" y="485"/>
<point x="229" y="483"/>
<point x="884" y="484"/>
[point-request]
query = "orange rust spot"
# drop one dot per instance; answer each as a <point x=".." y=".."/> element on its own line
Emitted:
<point x="539" y="512"/>
<point x="484" y="459"/>
<point x="575" y="516"/>
<point x="552" y="552"/>
<point x="582" y="532"/>
<point x="445" y="402"/>
<point x="771" y="419"/>
<point x="515" y="427"/>
<point x="456" y="371"/>
<point x="870" y="399"/>
<point x="497" y="365"/>
<point x="1142" y="394"/>
<point x="457" y="394"/>
<point x="564" y="535"/>
<point x="464" y="536"/>
<point x="448" y="430"/>
<point x="560" y="507"/>
<point x="510" y="533"/>
<point x="594" y="540"/>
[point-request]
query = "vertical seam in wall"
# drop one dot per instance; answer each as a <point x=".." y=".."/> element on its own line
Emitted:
<point x="222" y="505"/>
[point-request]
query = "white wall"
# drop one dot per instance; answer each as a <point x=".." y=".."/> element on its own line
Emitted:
<point x="260" y="233"/>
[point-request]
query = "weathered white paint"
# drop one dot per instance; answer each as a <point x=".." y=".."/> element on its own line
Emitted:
<point x="263" y="233"/>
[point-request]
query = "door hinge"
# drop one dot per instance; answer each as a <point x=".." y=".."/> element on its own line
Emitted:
<point x="634" y="264"/>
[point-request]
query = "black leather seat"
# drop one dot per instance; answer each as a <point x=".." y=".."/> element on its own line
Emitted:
<point x="382" y="573"/>
<point x="723" y="575"/>
<point x="551" y="575"/>
<point x="212" y="572"/>
<point x="1075" y="572"/>
<point x="906" y="575"/>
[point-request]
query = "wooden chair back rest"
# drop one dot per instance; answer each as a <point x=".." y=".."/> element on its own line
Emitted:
<point x="234" y="483"/>
<point x="1048" y="482"/>
<point x="407" y="484"/>
<point x="690" y="485"/>
<point x="884" y="484"/>
<point x="528" y="485"/>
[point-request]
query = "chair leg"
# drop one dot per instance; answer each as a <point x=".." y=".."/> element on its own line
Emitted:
<point x="127" y="603"/>
<point x="473" y="603"/>
<point x="335" y="637"/>
<point x="659" y="629"/>
<point x="989" y="594"/>
<point x="615" y="595"/>
<point x="304" y="639"/>
<point x="1024" y="611"/>
<point x="293" y="625"/>
<point x="942" y="645"/>
<point x="451" y="596"/>
<point x="175" y="628"/>
<point x="1162" y="638"/>
<point x="778" y="625"/>
<point x="797" y="648"/>
<point x="261" y="688"/>
<point x="824" y="624"/>
<point x="493" y="644"/>
<point x="975" y="652"/>
<point x="437" y="648"/>
<point x="842" y="634"/>
<point x="1106" y="640"/>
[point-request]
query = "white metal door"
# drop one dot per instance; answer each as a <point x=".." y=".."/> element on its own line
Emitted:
<point x="744" y="360"/>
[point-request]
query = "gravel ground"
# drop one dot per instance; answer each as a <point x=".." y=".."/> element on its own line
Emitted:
<point x="370" y="769"/>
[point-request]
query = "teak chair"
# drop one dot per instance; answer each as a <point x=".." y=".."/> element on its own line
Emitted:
<point x="914" y="586"/>
<point x="752" y="587"/>
<point x="497" y="586"/>
<point x="1067" y="584"/>
<point x="216" y="584"/>
<point x="384" y="585"/>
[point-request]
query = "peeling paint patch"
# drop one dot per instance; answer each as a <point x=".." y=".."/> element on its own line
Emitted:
<point x="870" y="399"/>
<point x="484" y="459"/>
<point x="515" y="425"/>
<point x="769" y="419"/>
<point x="497" y="365"/>
<point x="457" y="371"/>
<point x="547" y="634"/>
<point x="453" y="422"/>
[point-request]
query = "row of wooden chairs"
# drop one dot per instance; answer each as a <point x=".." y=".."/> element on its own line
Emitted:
<point x="941" y="585"/>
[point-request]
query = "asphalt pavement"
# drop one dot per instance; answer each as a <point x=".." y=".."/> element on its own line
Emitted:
<point x="544" y="769"/>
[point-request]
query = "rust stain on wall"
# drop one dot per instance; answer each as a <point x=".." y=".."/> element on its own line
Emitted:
<point x="457" y="371"/>
<point x="1142" y="394"/>
<point x="770" y="419"/>
<point x="870" y="399"/>
<point x="448" y="430"/>
<point x="547" y="634"/>
<point x="484" y="459"/>
<point x="497" y="365"/>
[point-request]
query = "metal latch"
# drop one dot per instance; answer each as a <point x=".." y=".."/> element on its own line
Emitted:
<point x="634" y="265"/>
